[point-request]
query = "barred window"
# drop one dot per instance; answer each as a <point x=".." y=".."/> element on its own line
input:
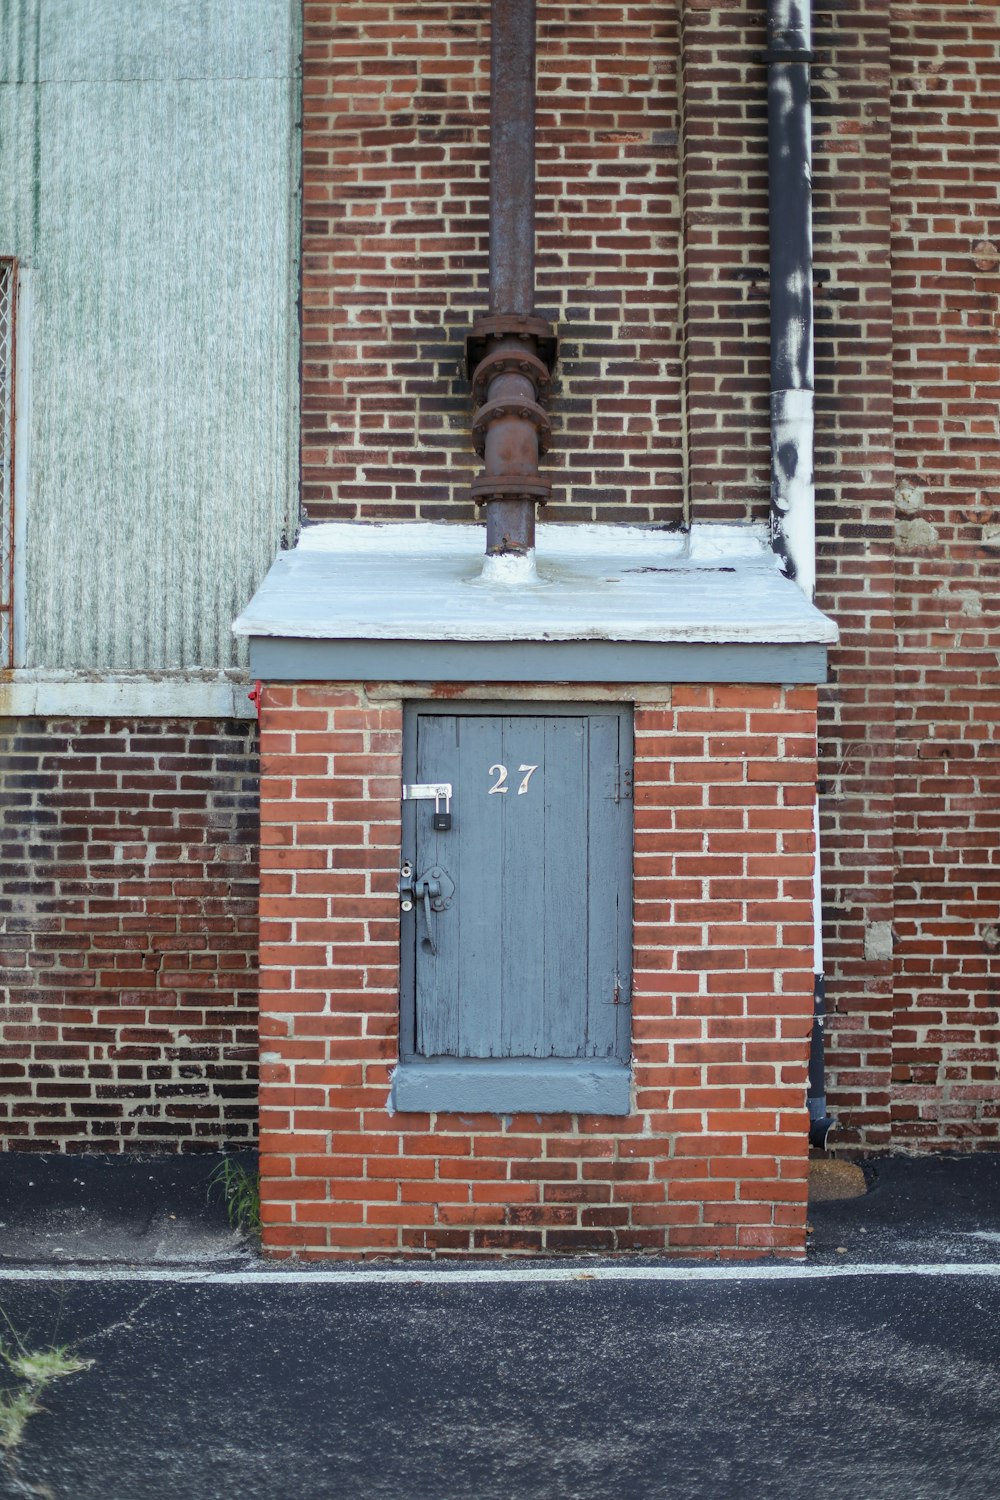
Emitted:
<point x="8" y="285"/>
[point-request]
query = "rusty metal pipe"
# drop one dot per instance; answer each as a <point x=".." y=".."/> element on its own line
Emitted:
<point x="510" y="527"/>
<point x="510" y="352"/>
<point x="512" y="157"/>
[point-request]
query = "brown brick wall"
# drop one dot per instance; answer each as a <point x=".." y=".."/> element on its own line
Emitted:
<point x="725" y="255"/>
<point x="653" y="262"/>
<point x="395" y="245"/>
<point x="128" y="929"/>
<point x="946" y="294"/>
<point x="653" y="259"/>
<point x="712" y="1160"/>
<point x="855" y="547"/>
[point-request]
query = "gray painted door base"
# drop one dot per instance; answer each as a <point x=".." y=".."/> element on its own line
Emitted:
<point x="514" y="1085"/>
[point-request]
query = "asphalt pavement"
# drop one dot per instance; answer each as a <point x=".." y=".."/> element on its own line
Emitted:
<point x="869" y="1373"/>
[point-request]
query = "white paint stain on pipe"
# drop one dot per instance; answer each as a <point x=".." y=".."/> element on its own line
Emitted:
<point x="793" y="486"/>
<point x="510" y="568"/>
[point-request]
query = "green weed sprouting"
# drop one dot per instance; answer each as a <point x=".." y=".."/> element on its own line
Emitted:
<point x="39" y="1367"/>
<point x="240" y="1191"/>
<point x="35" y="1369"/>
<point x="16" y="1409"/>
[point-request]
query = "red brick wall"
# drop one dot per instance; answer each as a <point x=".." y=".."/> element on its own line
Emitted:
<point x="653" y="262"/>
<point x="128" y="922"/>
<point x="662" y="409"/>
<point x="946" y="299"/>
<point x="396" y="111"/>
<point x="725" y="254"/>
<point x="855" y="573"/>
<point x="713" y="1158"/>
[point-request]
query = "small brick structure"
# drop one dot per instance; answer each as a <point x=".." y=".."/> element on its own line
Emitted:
<point x="712" y="1159"/>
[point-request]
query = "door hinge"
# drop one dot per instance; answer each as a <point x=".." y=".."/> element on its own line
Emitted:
<point x="620" y="992"/>
<point x="623" y="785"/>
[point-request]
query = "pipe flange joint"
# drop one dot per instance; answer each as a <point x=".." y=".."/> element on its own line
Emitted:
<point x="523" y="411"/>
<point x="537" y="334"/>
<point x="511" y="487"/>
<point x="504" y="362"/>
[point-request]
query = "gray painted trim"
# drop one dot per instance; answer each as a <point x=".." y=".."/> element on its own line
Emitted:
<point x="528" y="708"/>
<point x="408" y="920"/>
<point x="280" y="659"/>
<point x="35" y="694"/>
<point x="532" y="1085"/>
<point x="23" y="335"/>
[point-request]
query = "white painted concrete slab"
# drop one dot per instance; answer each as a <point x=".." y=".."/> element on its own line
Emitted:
<point x="424" y="582"/>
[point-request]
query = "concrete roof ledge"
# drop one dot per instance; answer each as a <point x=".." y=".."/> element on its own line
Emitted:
<point x="421" y="581"/>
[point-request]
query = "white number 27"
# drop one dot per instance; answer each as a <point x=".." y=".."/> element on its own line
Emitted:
<point x="500" y="785"/>
<point x="528" y="773"/>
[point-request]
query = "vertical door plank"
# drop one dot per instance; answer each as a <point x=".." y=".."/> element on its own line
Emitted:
<point x="437" y="977"/>
<point x="523" y="886"/>
<point x="478" y="828"/>
<point x="407" y="922"/>
<point x="605" y="831"/>
<point x="564" y="908"/>
<point x="623" y="884"/>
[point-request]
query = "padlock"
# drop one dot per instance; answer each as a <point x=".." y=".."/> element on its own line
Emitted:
<point x="441" y="819"/>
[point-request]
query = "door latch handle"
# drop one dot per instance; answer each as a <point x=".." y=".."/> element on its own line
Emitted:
<point x="429" y="887"/>
<point x="433" y="889"/>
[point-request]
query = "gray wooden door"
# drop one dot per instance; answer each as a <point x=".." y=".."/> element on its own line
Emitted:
<point x="531" y="956"/>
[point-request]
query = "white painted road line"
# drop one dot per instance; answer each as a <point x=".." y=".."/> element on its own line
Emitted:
<point x="485" y="1275"/>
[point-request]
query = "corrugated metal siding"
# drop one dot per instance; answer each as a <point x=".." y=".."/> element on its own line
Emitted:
<point x="149" y="177"/>
<point x="8" y="290"/>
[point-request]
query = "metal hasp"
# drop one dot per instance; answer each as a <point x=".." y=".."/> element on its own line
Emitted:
<point x="789" y="127"/>
<point x="510" y="353"/>
<point x="437" y="792"/>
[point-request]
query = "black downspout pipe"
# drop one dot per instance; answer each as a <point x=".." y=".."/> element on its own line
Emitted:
<point x="820" y="1123"/>
<point x="789" y="131"/>
<point x="789" y="55"/>
<point x="510" y="352"/>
